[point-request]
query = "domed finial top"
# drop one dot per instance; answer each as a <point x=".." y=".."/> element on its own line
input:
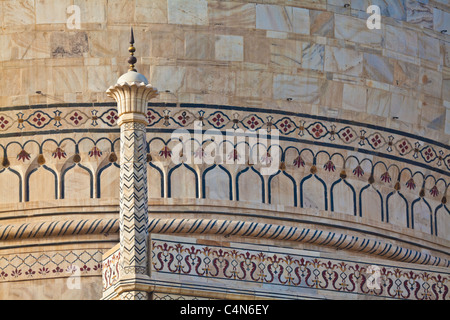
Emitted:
<point x="132" y="59"/>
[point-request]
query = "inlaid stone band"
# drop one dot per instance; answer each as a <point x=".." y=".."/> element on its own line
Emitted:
<point x="228" y="228"/>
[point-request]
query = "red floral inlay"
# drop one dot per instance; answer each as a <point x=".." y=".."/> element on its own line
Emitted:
<point x="39" y="119"/>
<point x="358" y="171"/>
<point x="3" y="122"/>
<point x="23" y="155"/>
<point x="76" y="118"/>
<point x="385" y="177"/>
<point x="298" y="162"/>
<point x="59" y="153"/>
<point x="329" y="166"/>
<point x="165" y="152"/>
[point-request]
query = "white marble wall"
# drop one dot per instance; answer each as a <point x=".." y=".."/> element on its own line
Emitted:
<point x="252" y="53"/>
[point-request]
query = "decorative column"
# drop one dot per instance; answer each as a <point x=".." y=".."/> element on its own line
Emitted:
<point x="132" y="93"/>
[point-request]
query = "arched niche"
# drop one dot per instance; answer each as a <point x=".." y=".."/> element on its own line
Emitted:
<point x="343" y="197"/>
<point x="442" y="222"/>
<point x="155" y="181"/>
<point x="313" y="193"/>
<point x="183" y="182"/>
<point x="250" y="186"/>
<point x="217" y="183"/>
<point x="10" y="186"/>
<point x="77" y="183"/>
<point x="282" y="189"/>
<point x="421" y="218"/>
<point x="371" y="204"/>
<point x="397" y="212"/>
<point x="108" y="181"/>
<point x="41" y="184"/>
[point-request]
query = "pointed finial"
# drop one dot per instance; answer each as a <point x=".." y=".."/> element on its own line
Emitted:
<point x="132" y="59"/>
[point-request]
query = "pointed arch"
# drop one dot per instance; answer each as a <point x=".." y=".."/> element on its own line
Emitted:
<point x="353" y="194"/>
<point x="219" y="180"/>
<point x="259" y="180"/>
<point x="294" y="189"/>
<point x="322" y="184"/>
<point x="64" y="183"/>
<point x="361" y="206"/>
<point x="171" y="172"/>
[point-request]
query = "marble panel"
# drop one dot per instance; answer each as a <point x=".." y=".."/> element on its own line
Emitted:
<point x="100" y="77"/>
<point x="199" y="46"/>
<point x="419" y="13"/>
<point x="313" y="56"/>
<point x="257" y="84"/>
<point x="49" y="12"/>
<point x="210" y="80"/>
<point x="120" y="12"/>
<point x="164" y="44"/>
<point x="378" y="68"/>
<point x="30" y="45"/>
<point x="405" y="108"/>
<point x="401" y="40"/>
<point x="301" y="23"/>
<point x="332" y="94"/>
<point x="429" y="48"/>
<point x="229" y="48"/>
<point x="167" y="77"/>
<point x="406" y="74"/>
<point x="69" y="79"/>
<point x="193" y="12"/>
<point x="232" y="14"/>
<point x="342" y="60"/>
<point x="256" y="49"/>
<point x="103" y="43"/>
<point x="354" y="98"/>
<point x="298" y="88"/>
<point x="274" y="17"/>
<point x="18" y="13"/>
<point x="432" y="117"/>
<point x="431" y="82"/>
<point x="286" y="53"/>
<point x="322" y="23"/>
<point x="92" y="11"/>
<point x="378" y="102"/>
<point x="154" y="11"/>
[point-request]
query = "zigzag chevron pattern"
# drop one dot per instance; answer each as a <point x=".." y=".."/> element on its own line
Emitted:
<point x="227" y="228"/>
<point x="133" y="199"/>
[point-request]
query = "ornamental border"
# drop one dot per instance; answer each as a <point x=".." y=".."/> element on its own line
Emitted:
<point x="423" y="152"/>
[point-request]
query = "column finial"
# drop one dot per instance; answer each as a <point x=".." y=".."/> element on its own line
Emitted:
<point x="132" y="59"/>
